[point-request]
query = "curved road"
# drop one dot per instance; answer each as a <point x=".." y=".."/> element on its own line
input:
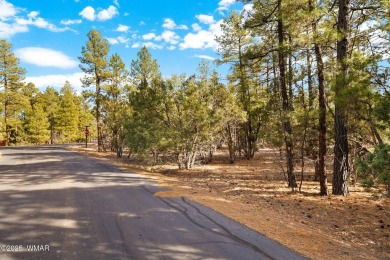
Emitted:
<point x="57" y="204"/>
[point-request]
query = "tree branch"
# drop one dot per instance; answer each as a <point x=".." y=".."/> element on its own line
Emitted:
<point x="361" y="8"/>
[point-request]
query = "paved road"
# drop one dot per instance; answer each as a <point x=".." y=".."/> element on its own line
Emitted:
<point x="74" y="207"/>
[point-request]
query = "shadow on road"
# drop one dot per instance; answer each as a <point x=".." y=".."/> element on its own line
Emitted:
<point x="85" y="209"/>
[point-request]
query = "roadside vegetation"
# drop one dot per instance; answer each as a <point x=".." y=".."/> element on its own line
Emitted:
<point x="311" y="85"/>
<point x="308" y="80"/>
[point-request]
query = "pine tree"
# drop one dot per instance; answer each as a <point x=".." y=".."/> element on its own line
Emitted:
<point x="37" y="125"/>
<point x="318" y="50"/>
<point x="94" y="63"/>
<point x="68" y="117"/>
<point x="86" y="117"/>
<point x="11" y="76"/>
<point x="234" y="47"/>
<point x="114" y="103"/>
<point x="50" y="101"/>
<point x="270" y="23"/>
<point x="143" y="128"/>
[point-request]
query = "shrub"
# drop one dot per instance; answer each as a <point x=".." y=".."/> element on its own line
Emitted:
<point x="375" y="167"/>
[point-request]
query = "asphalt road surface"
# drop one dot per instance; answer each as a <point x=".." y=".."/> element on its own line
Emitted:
<point x="57" y="204"/>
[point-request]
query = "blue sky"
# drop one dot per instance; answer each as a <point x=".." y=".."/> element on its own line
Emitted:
<point x="47" y="35"/>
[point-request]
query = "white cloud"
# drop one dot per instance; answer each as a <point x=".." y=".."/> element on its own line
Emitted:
<point x="152" y="45"/>
<point x="205" y="57"/>
<point x="8" y="30"/>
<point x="57" y="81"/>
<point x="107" y="14"/>
<point x="216" y="29"/>
<point x="103" y="15"/>
<point x="200" y="40"/>
<point x="33" y="14"/>
<point x="117" y="40"/>
<point x="171" y="48"/>
<point x="112" y="41"/>
<point x="136" y="45"/>
<point x="205" y="19"/>
<point x="45" y="57"/>
<point x="116" y="3"/>
<point x="247" y="10"/>
<point x="203" y="39"/>
<point x="123" y="39"/>
<point x="149" y="36"/>
<point x="196" y="27"/>
<point x="169" y="37"/>
<point x="6" y="10"/>
<point x="88" y="13"/>
<point x="171" y="25"/>
<point x="122" y="28"/>
<point x="39" y="22"/>
<point x="11" y="24"/>
<point x="225" y="4"/>
<point x="70" y="22"/>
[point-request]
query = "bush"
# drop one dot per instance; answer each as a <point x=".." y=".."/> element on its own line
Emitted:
<point x="375" y="167"/>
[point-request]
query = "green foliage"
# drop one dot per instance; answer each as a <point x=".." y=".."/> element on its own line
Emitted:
<point x="68" y="116"/>
<point x="37" y="125"/>
<point x="375" y="166"/>
<point x="94" y="63"/>
<point x="11" y="76"/>
<point x="31" y="116"/>
<point x="181" y="115"/>
<point x="114" y="103"/>
<point x="145" y="95"/>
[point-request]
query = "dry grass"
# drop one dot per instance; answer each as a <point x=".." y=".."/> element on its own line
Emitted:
<point x="255" y="194"/>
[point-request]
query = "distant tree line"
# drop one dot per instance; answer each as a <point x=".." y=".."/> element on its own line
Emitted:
<point x="30" y="116"/>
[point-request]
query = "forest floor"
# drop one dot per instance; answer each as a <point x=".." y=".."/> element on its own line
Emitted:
<point x="255" y="194"/>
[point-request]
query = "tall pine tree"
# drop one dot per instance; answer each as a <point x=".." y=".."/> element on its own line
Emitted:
<point x="11" y="76"/>
<point x="94" y="63"/>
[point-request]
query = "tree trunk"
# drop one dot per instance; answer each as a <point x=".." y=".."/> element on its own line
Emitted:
<point x="375" y="133"/>
<point x="320" y="164"/>
<point x="7" y="127"/>
<point x="286" y="105"/>
<point x="52" y="132"/>
<point x="98" y="119"/>
<point x="309" y="78"/>
<point x="290" y="75"/>
<point x="321" y="122"/>
<point x="340" y="166"/>
<point x="231" y="136"/>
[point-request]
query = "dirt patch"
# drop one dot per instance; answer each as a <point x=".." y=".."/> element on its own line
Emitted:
<point x="254" y="193"/>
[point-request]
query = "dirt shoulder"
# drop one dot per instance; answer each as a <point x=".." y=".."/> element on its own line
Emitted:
<point x="254" y="193"/>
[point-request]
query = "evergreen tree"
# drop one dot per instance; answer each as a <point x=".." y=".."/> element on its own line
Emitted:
<point x="94" y="63"/>
<point x="68" y="114"/>
<point x="234" y="45"/>
<point x="11" y="76"/>
<point x="86" y="117"/>
<point x="50" y="100"/>
<point x="114" y="103"/>
<point x="37" y="125"/>
<point x="143" y="128"/>
<point x="274" y="28"/>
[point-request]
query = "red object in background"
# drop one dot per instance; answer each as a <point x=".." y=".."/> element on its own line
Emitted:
<point x="86" y="132"/>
